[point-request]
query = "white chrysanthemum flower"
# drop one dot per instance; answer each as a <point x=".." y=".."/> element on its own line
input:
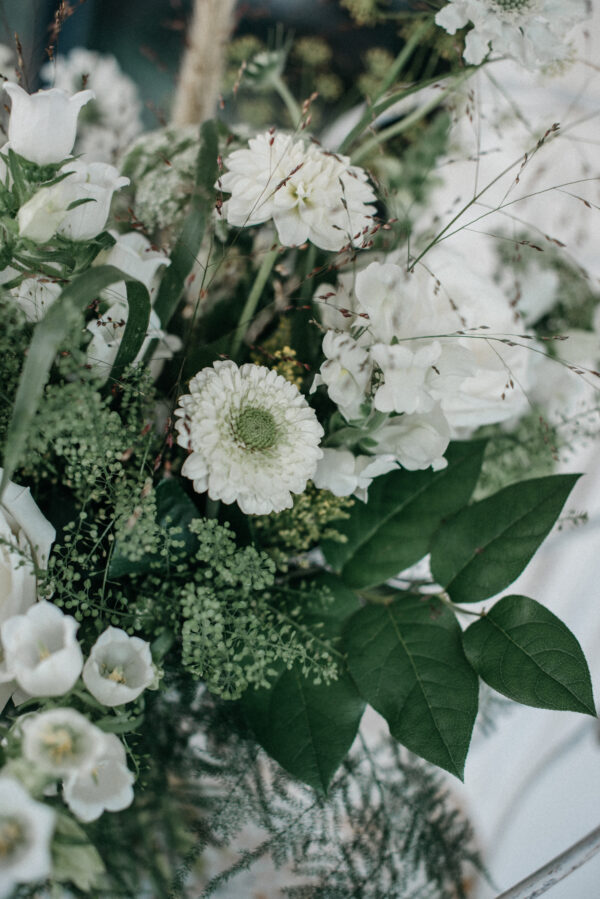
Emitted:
<point x="113" y="119"/>
<point x="61" y="741"/>
<point x="119" y="667"/>
<point x="26" y="829"/>
<point x="105" y="786"/>
<point x="254" y="438"/>
<point x="41" y="651"/>
<point x="309" y="193"/>
<point x="531" y="31"/>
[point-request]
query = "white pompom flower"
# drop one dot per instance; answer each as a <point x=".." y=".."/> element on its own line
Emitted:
<point x="309" y="193"/>
<point x="61" y="741"/>
<point x="107" y="785"/>
<point x="119" y="667"/>
<point x="253" y="437"/>
<point x="26" y="829"/>
<point x="41" y="652"/>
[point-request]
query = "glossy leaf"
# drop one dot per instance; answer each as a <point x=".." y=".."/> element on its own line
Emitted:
<point x="408" y="662"/>
<point x="524" y="651"/>
<point x="394" y="529"/>
<point x="136" y="328"/>
<point x="486" y="546"/>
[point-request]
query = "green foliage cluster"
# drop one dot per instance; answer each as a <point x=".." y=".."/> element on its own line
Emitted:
<point x="532" y="447"/>
<point x="310" y="520"/>
<point x="234" y="631"/>
<point x="14" y="340"/>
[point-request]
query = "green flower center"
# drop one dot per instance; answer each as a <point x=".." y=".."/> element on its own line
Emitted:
<point x="256" y="428"/>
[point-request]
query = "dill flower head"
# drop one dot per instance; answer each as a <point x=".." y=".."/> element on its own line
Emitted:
<point x="254" y="438"/>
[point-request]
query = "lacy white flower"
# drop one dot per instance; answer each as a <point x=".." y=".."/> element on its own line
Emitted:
<point x="309" y="193"/>
<point x="61" y="741"/>
<point x="119" y="667"/>
<point x="25" y="541"/>
<point x="416" y="441"/>
<point x="95" y="182"/>
<point x="346" y="372"/>
<point x="113" y="119"/>
<point x="345" y="474"/>
<point x="254" y="438"/>
<point x="133" y="254"/>
<point x="531" y="31"/>
<point x="42" y="126"/>
<point x="105" y="786"/>
<point x="35" y="296"/>
<point x="41" y="651"/>
<point x="26" y="829"/>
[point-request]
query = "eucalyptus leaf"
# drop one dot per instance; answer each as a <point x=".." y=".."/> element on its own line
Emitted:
<point x="407" y="661"/>
<point x="486" y="546"/>
<point x="394" y="529"/>
<point x="521" y="649"/>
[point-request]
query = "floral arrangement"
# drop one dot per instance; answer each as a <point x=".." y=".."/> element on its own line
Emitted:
<point x="274" y="451"/>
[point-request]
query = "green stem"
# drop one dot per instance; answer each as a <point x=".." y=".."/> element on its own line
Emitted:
<point x="403" y="57"/>
<point x="212" y="507"/>
<point x="455" y="608"/>
<point x="407" y="122"/>
<point x="252" y="301"/>
<point x="289" y="100"/>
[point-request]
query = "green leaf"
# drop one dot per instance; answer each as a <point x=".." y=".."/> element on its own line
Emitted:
<point x="307" y="728"/>
<point x="394" y="529"/>
<point x="48" y="335"/>
<point x="524" y="651"/>
<point x="483" y="548"/>
<point x="174" y="508"/>
<point x="136" y="328"/>
<point x="408" y="662"/>
<point x="186" y="248"/>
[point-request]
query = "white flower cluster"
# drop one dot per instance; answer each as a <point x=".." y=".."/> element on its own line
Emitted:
<point x="113" y="118"/>
<point x="309" y="193"/>
<point x="414" y="360"/>
<point x="530" y="31"/>
<point x="253" y="437"/>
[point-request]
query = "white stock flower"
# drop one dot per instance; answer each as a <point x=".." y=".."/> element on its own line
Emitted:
<point x="338" y="306"/>
<point x="119" y="667"/>
<point x="309" y="193"/>
<point x="61" y="741"/>
<point x="378" y="290"/>
<point x="41" y="651"/>
<point x="113" y="118"/>
<point x="345" y="474"/>
<point x="407" y="376"/>
<point x="42" y="126"/>
<point x="416" y="441"/>
<point x="35" y="296"/>
<point x="26" y="829"/>
<point x="133" y="254"/>
<point x="531" y="31"/>
<point x="346" y="372"/>
<point x="106" y="785"/>
<point x="95" y="182"/>
<point x="254" y="438"/>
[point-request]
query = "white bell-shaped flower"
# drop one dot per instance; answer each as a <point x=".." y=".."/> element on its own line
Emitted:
<point x="40" y="217"/>
<point x="26" y="829"/>
<point x="43" y="125"/>
<point x="105" y="786"/>
<point x="133" y="254"/>
<point x="61" y="741"/>
<point x="95" y="182"/>
<point x="119" y="667"/>
<point x="41" y="651"/>
<point x="35" y="296"/>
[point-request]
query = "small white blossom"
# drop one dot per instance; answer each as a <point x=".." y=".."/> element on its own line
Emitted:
<point x="41" y="651"/>
<point x="42" y="126"/>
<point x="378" y="290"/>
<point x="345" y="474"/>
<point x="95" y="182"/>
<point x="416" y="441"/>
<point x="133" y="254"/>
<point x="407" y="376"/>
<point x="346" y="372"/>
<point x="119" y="667"/>
<point x="254" y="438"/>
<point x="106" y="785"/>
<point x="40" y="217"/>
<point x="531" y="31"/>
<point x="26" y="829"/>
<point x="309" y="193"/>
<point x="61" y="741"/>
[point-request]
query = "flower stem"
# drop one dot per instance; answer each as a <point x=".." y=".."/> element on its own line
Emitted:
<point x="290" y="103"/>
<point x="252" y="301"/>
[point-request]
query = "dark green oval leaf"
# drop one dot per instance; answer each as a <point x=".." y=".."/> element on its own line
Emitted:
<point x="524" y="651"/>
<point x="307" y="728"/>
<point x="408" y="662"/>
<point x="483" y="548"/>
<point x="394" y="529"/>
<point x="136" y="328"/>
